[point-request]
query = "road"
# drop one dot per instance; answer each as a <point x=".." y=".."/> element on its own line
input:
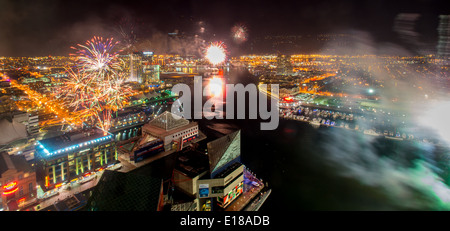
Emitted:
<point x="65" y="192"/>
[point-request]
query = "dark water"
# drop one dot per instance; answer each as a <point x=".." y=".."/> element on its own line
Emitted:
<point x="338" y="169"/>
<point x="332" y="168"/>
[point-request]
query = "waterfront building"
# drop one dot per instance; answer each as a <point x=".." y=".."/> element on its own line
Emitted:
<point x="165" y="133"/>
<point x="66" y="158"/>
<point x="215" y="179"/>
<point x="174" y="131"/>
<point x="127" y="123"/>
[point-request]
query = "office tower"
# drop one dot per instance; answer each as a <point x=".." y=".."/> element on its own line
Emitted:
<point x="443" y="47"/>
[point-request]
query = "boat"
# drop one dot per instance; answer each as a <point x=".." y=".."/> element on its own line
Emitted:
<point x="315" y="123"/>
<point x="371" y="132"/>
<point x="393" y="138"/>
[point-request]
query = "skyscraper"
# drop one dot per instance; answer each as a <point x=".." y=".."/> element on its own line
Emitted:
<point x="284" y="65"/>
<point x="150" y="73"/>
<point x="443" y="47"/>
<point x="136" y="67"/>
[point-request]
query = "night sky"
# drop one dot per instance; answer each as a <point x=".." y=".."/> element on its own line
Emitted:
<point x="48" y="27"/>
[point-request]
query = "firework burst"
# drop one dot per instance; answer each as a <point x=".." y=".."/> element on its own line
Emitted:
<point x="97" y="83"/>
<point x="216" y="53"/>
<point x="97" y="56"/>
<point x="239" y="33"/>
<point x="127" y="29"/>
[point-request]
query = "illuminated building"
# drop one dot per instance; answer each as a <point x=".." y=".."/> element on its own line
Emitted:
<point x="17" y="182"/>
<point x="66" y="158"/>
<point x="167" y="132"/>
<point x="176" y="132"/>
<point x="150" y="73"/>
<point x="222" y="182"/>
<point x="288" y="102"/>
<point x="141" y="68"/>
<point x="284" y="64"/>
<point x="127" y="123"/>
<point x="147" y="57"/>
<point x="136" y="67"/>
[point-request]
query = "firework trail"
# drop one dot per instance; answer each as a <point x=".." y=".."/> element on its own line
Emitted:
<point x="127" y="31"/>
<point x="97" y="83"/>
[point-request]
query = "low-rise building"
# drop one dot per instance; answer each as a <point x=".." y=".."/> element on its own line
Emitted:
<point x="17" y="182"/>
<point x="166" y="132"/>
<point x="214" y="179"/>
<point x="68" y="157"/>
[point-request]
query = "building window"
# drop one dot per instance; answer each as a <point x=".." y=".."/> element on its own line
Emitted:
<point x="217" y="189"/>
<point x="30" y="187"/>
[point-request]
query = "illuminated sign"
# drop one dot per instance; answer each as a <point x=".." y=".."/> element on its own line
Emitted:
<point x="10" y="188"/>
<point x="289" y="99"/>
<point x="236" y="191"/>
<point x="203" y="190"/>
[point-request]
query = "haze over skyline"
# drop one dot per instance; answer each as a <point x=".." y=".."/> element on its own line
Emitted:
<point x="44" y="27"/>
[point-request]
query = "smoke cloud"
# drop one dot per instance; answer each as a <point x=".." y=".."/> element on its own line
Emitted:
<point x="410" y="174"/>
<point x="408" y="184"/>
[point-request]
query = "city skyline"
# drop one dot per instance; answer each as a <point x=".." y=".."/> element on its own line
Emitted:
<point x="43" y="28"/>
<point x="197" y="105"/>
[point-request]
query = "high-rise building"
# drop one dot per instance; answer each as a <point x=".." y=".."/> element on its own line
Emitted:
<point x="150" y="74"/>
<point x="443" y="47"/>
<point x="284" y="65"/>
<point x="147" y="56"/>
<point x="136" y="67"/>
<point x="33" y="123"/>
<point x="141" y="68"/>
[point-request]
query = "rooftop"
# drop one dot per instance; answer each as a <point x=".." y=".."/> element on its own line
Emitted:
<point x="11" y="131"/>
<point x="223" y="151"/>
<point x="166" y="124"/>
<point x="192" y="163"/>
<point x="73" y="141"/>
<point x="126" y="112"/>
<point x="8" y="162"/>
<point x="168" y="121"/>
<point x="117" y="191"/>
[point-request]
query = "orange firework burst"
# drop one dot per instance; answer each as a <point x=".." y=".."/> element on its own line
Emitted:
<point x="97" y="85"/>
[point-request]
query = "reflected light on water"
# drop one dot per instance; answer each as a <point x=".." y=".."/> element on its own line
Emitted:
<point x="215" y="86"/>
